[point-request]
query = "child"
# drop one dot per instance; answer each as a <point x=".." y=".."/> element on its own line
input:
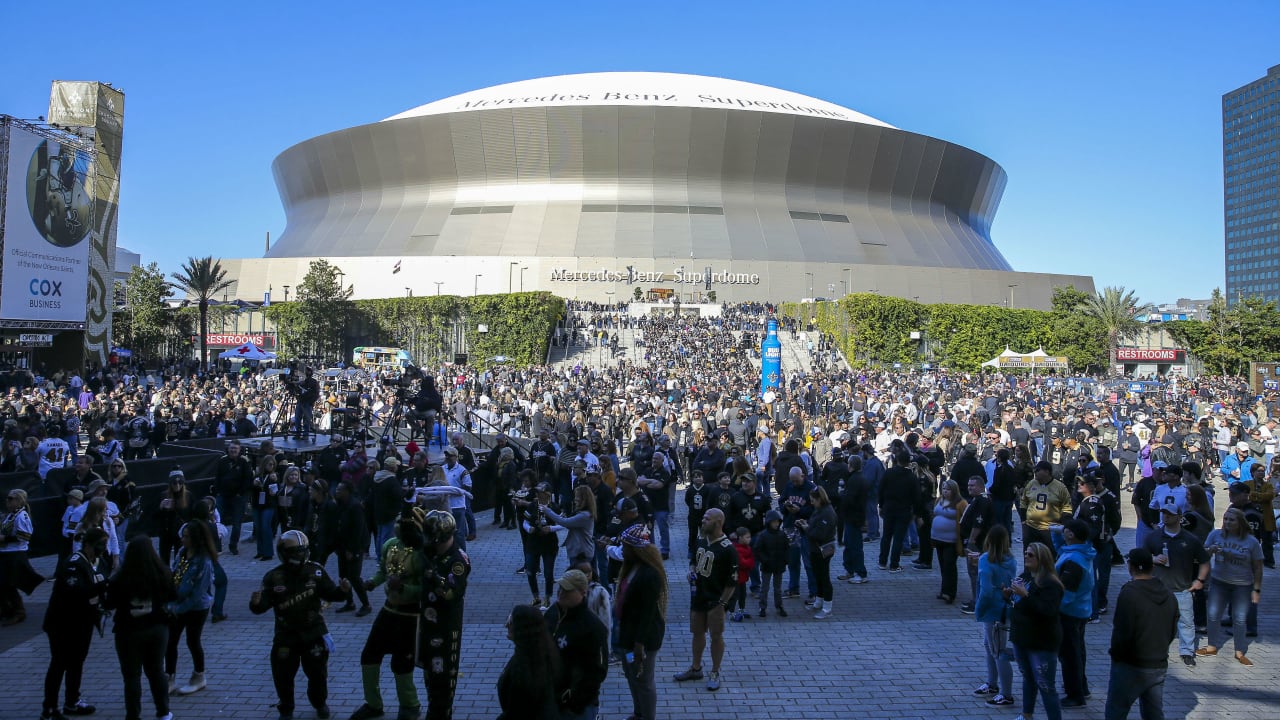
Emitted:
<point x="771" y="556"/>
<point x="746" y="561"/>
<point x="70" y="518"/>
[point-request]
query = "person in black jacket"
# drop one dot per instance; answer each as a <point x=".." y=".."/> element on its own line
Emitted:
<point x="294" y="589"/>
<point x="1145" y="622"/>
<point x="1035" y="630"/>
<point x="641" y="607"/>
<point x="853" y="510"/>
<point x="899" y="497"/>
<point x="138" y="593"/>
<point x="231" y="483"/>
<point x="526" y="687"/>
<point x="351" y="542"/>
<point x="444" y="589"/>
<point x="584" y="647"/>
<point x="771" y="548"/>
<point x="73" y="613"/>
<point x="966" y="467"/>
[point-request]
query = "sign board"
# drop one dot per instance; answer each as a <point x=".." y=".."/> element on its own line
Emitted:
<point x="460" y="359"/>
<point x="234" y="339"/>
<point x="36" y="339"/>
<point x="1035" y="362"/>
<point x="47" y="227"/>
<point x="1151" y="355"/>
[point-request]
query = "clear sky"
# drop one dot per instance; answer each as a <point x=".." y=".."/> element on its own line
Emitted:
<point x="1106" y="116"/>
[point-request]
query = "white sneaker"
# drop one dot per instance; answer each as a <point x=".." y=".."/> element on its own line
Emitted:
<point x="166" y="716"/>
<point x="822" y="614"/>
<point x="858" y="580"/>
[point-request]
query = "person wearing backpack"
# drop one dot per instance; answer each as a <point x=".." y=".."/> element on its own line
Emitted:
<point x="138" y="437"/>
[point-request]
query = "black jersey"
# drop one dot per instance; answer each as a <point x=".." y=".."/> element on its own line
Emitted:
<point x="749" y="510"/>
<point x="715" y="569"/>
<point x="295" y="593"/>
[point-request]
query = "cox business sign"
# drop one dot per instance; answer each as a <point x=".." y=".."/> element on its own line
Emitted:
<point x="48" y="216"/>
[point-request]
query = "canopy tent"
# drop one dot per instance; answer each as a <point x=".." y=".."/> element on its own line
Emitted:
<point x="1038" y="360"/>
<point x="247" y="351"/>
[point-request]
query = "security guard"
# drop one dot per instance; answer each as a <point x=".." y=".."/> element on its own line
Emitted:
<point x="74" y="611"/>
<point x="294" y="589"/>
<point x="444" y="584"/>
<point x="395" y="629"/>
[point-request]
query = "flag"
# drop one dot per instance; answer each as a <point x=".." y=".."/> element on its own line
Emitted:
<point x="396" y="269"/>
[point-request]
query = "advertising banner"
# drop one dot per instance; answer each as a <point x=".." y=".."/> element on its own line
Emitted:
<point x="770" y="358"/>
<point x="48" y="219"/>
<point x="1159" y="355"/>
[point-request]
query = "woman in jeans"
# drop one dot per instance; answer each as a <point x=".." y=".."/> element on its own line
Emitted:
<point x="1235" y="581"/>
<point x="193" y="581"/>
<point x="266" y="485"/>
<point x="176" y="505"/>
<point x="820" y="529"/>
<point x="996" y="570"/>
<point x="138" y="593"/>
<point x="579" y="545"/>
<point x="944" y="533"/>
<point x="1035" y="629"/>
<point x="540" y="544"/>
<point x="639" y="613"/>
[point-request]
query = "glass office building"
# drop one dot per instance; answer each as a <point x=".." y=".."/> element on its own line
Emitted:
<point x="1251" y="179"/>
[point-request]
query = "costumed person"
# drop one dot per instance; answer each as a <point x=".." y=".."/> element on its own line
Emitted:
<point x="74" y="611"/>
<point x="394" y="631"/>
<point x="444" y="585"/>
<point x="295" y="589"/>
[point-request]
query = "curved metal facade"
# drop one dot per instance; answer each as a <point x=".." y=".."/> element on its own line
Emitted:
<point x="723" y="186"/>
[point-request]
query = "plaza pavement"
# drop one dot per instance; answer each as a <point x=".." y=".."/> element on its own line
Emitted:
<point x="890" y="650"/>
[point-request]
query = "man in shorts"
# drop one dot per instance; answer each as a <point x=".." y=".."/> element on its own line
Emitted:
<point x="714" y="578"/>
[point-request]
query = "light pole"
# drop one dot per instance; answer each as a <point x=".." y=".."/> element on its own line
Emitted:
<point x="522" y="269"/>
<point x="510" y="266"/>
<point x="286" y="293"/>
<point x="1011" y="287"/>
<point x="475" y="289"/>
<point x="408" y="292"/>
<point x="848" y="282"/>
<point x="438" y="284"/>
<point x="341" y="285"/>
<point x="809" y="275"/>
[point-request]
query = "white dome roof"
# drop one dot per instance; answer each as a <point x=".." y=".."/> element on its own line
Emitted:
<point x="639" y="88"/>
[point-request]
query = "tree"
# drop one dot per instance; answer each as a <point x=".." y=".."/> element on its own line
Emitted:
<point x="1117" y="312"/>
<point x="202" y="278"/>
<point x="145" y="318"/>
<point x="324" y="307"/>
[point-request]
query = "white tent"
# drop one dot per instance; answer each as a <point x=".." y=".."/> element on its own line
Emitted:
<point x="247" y="351"/>
<point x="995" y="361"/>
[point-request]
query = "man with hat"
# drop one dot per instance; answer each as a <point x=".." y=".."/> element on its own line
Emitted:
<point x="1182" y="565"/>
<point x="584" y="648"/>
<point x="1145" y="622"/>
<point x="1235" y="468"/>
<point x="444" y="586"/>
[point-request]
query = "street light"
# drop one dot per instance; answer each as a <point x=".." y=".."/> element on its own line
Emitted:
<point x="438" y="284"/>
<point x="522" y="269"/>
<point x="1011" y="287"/>
<point x="510" y="266"/>
<point x="810" y="276"/>
<point x="848" y="283"/>
<point x="408" y="292"/>
<point x="475" y="289"/>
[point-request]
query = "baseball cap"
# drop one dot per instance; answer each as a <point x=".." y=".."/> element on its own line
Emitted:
<point x="1159" y="464"/>
<point x="95" y="486"/>
<point x="1140" y="559"/>
<point x="76" y="494"/>
<point x="574" y="580"/>
<point x="451" y="450"/>
<point x="1242" y="445"/>
<point x="1173" y="506"/>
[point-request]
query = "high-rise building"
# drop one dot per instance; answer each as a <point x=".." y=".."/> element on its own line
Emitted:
<point x="1251" y="180"/>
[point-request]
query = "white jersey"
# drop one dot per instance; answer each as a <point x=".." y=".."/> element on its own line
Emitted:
<point x="18" y="526"/>
<point x="54" y="453"/>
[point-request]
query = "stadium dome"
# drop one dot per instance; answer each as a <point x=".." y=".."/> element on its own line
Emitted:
<point x="598" y="183"/>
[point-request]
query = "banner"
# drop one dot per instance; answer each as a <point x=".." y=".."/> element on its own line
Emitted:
<point x="48" y="219"/>
<point x="1167" y="355"/>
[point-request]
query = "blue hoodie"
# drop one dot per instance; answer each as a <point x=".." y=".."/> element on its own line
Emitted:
<point x="1077" y="603"/>
<point x="992" y="578"/>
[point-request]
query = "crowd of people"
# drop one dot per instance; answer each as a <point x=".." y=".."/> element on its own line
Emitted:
<point x="592" y="466"/>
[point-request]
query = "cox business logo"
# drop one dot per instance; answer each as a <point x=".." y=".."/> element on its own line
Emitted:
<point x="41" y="290"/>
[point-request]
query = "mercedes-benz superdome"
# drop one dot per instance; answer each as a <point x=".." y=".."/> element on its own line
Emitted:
<point x="592" y="185"/>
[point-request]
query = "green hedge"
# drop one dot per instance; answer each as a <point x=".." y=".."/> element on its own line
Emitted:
<point x="518" y="325"/>
<point x="876" y="330"/>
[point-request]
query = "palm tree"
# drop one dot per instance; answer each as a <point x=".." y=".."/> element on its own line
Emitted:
<point x="202" y="278"/>
<point x="1117" y="311"/>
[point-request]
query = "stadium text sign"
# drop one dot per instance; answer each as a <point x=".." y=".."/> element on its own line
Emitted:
<point x="631" y="275"/>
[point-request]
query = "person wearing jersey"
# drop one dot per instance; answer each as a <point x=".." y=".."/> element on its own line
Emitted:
<point x="1046" y="501"/>
<point x="444" y="589"/>
<point x="53" y="452"/>
<point x="15" y="569"/>
<point x="714" y="577"/>
<point x="294" y="589"/>
<point x="698" y="498"/>
<point x="73" y="613"/>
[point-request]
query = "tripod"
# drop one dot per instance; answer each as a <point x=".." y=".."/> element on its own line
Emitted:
<point x="283" y="427"/>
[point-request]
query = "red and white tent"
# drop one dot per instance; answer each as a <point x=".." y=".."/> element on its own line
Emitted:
<point x="247" y="351"/>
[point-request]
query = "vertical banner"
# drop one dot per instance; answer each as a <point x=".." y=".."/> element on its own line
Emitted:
<point x="48" y="221"/>
<point x="770" y="358"/>
<point x="100" y="107"/>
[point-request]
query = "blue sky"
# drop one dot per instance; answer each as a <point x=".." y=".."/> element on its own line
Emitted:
<point x="1107" y="116"/>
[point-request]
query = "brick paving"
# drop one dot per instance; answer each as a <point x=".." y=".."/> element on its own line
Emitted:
<point x="889" y="651"/>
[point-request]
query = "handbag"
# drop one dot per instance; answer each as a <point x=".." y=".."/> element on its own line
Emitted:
<point x="828" y="549"/>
